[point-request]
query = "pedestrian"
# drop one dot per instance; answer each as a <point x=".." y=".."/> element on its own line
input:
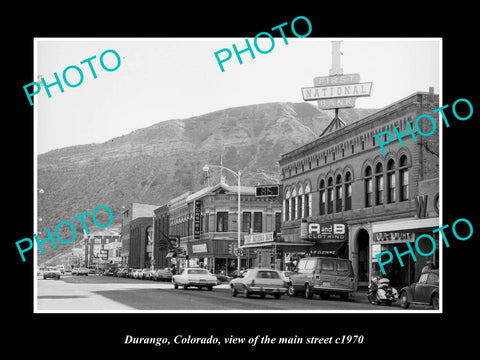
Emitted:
<point x="173" y="269"/>
<point x="428" y="266"/>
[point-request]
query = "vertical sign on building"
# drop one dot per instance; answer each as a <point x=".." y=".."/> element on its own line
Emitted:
<point x="196" y="227"/>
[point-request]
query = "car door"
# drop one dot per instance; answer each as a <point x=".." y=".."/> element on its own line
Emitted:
<point x="326" y="277"/>
<point x="299" y="277"/>
<point x="421" y="289"/>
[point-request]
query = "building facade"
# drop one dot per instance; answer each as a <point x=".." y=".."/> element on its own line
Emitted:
<point x="342" y="180"/>
<point x="206" y="224"/>
<point x="132" y="212"/>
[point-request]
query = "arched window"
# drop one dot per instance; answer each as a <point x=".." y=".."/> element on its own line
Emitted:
<point x="300" y="210"/>
<point x="308" y="201"/>
<point x="368" y="186"/>
<point x="379" y="183"/>
<point x="286" y="206"/>
<point x="322" y="197"/>
<point x="293" y="208"/>
<point x="403" y="170"/>
<point x="330" y="195"/>
<point x="348" y="191"/>
<point x="391" y="181"/>
<point x="338" y="193"/>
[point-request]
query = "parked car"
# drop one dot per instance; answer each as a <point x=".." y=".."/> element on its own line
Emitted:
<point x="80" y="271"/>
<point x="121" y="272"/>
<point x="109" y="272"/>
<point x="51" y="273"/>
<point x="137" y="274"/>
<point x="146" y="274"/>
<point x="286" y="275"/>
<point x="223" y="278"/>
<point x="260" y="282"/>
<point x="162" y="275"/>
<point x="424" y="291"/>
<point x="323" y="276"/>
<point x="194" y="277"/>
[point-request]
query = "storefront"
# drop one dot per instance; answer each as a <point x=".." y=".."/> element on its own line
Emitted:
<point x="218" y="256"/>
<point x="266" y="251"/>
<point x="389" y="234"/>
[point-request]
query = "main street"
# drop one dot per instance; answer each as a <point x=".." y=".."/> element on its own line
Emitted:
<point x="106" y="293"/>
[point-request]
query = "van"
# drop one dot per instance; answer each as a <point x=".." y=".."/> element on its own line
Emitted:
<point x="323" y="276"/>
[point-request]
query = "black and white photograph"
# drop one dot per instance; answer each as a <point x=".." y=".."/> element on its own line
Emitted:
<point x="281" y="187"/>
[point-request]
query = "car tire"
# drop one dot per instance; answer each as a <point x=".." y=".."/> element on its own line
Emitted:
<point x="344" y="296"/>
<point x="246" y="292"/>
<point x="262" y="295"/>
<point x="277" y="295"/>
<point x="435" y="302"/>
<point x="324" y="295"/>
<point x="291" y="290"/>
<point x="44" y="278"/>
<point x="175" y="285"/>
<point x="403" y="300"/>
<point x="185" y="287"/>
<point x="234" y="291"/>
<point x="209" y="287"/>
<point x="308" y="292"/>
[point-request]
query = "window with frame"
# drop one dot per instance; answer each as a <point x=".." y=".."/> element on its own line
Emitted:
<point x="330" y="196"/>
<point x="403" y="172"/>
<point x="379" y="183"/>
<point x="338" y="194"/>
<point x="391" y="181"/>
<point x="278" y="222"/>
<point x="368" y="186"/>
<point x="348" y="191"/>
<point x="246" y="221"/>
<point x="322" y="197"/>
<point x="222" y="221"/>
<point x="308" y="201"/>
<point x="257" y="222"/>
<point x="293" y="204"/>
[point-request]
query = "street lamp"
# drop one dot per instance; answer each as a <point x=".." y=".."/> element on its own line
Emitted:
<point x="206" y="168"/>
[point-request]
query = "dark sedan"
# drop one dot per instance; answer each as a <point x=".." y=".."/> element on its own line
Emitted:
<point x="424" y="291"/>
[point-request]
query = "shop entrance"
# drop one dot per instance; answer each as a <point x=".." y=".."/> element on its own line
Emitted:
<point x="362" y="245"/>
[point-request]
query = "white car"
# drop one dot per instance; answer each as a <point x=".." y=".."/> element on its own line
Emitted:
<point x="194" y="277"/>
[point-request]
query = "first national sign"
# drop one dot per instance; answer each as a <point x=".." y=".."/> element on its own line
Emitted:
<point x="336" y="91"/>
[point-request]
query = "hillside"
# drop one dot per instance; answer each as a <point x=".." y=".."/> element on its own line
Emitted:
<point x="154" y="164"/>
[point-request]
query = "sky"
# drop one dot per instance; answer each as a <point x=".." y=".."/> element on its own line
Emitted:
<point x="177" y="78"/>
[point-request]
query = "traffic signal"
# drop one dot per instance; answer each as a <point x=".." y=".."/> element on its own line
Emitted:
<point x="230" y="249"/>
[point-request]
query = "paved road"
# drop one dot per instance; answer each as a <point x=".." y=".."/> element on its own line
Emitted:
<point x="110" y="294"/>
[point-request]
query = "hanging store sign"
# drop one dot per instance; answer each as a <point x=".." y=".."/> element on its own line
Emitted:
<point x="199" y="248"/>
<point x="258" y="238"/>
<point x="197" y="219"/>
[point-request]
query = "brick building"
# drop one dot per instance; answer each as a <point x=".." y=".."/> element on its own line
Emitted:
<point x="383" y="200"/>
<point x="213" y="245"/>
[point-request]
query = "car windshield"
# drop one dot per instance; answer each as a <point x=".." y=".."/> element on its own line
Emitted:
<point x="267" y="275"/>
<point x="198" y="271"/>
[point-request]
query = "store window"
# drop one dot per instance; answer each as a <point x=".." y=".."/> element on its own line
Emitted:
<point x="330" y="196"/>
<point x="246" y="222"/>
<point x="348" y="191"/>
<point x="391" y="181"/>
<point x="368" y="186"/>
<point x="322" y="197"/>
<point x="257" y="222"/>
<point x="379" y="183"/>
<point x="286" y="209"/>
<point x="338" y="194"/>
<point x="403" y="170"/>
<point x="222" y="221"/>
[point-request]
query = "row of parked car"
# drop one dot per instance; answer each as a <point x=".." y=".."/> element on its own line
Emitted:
<point x="144" y="274"/>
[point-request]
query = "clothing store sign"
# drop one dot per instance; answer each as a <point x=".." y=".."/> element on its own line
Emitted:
<point x="328" y="231"/>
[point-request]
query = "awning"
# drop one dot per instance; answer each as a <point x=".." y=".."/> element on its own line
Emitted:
<point x="329" y="248"/>
<point x="279" y="244"/>
<point x="406" y="225"/>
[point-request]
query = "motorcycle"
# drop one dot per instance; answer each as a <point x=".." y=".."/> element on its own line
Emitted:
<point x="380" y="292"/>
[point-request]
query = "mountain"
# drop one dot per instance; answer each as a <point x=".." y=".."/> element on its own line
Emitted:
<point x="155" y="164"/>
